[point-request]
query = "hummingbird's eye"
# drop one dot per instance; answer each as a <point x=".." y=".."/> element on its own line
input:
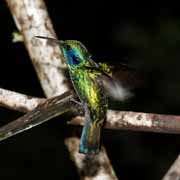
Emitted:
<point x="67" y="47"/>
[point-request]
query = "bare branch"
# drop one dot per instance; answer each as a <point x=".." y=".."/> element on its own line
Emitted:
<point x="18" y="101"/>
<point x="46" y="110"/>
<point x="32" y="19"/>
<point x="138" y="121"/>
<point x="174" y="171"/>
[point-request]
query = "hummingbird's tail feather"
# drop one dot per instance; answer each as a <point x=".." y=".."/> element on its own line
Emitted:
<point x="90" y="138"/>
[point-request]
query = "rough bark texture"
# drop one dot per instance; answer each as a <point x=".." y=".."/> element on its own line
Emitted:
<point x="138" y="121"/>
<point x="119" y="120"/>
<point x="18" y="101"/>
<point x="46" y="110"/>
<point x="32" y="19"/>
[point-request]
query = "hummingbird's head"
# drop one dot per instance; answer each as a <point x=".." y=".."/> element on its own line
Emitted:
<point x="74" y="52"/>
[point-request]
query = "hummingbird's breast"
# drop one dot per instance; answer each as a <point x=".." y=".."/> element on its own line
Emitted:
<point x="89" y="88"/>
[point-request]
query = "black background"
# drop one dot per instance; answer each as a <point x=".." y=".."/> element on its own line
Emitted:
<point x="145" y="35"/>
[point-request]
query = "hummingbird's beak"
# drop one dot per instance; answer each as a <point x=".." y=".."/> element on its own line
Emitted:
<point x="51" y="39"/>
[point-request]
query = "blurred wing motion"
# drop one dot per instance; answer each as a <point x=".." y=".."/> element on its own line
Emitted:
<point x="119" y="80"/>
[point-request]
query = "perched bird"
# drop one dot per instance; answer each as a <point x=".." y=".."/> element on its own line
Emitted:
<point x="93" y="82"/>
<point x="87" y="82"/>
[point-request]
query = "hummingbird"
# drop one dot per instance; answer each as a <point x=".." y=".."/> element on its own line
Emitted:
<point x="86" y="79"/>
<point x="93" y="83"/>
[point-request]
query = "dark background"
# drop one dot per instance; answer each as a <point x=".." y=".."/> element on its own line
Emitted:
<point x="145" y="35"/>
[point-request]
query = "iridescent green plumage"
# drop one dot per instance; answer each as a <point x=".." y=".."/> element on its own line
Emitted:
<point x="90" y="81"/>
<point x="87" y="82"/>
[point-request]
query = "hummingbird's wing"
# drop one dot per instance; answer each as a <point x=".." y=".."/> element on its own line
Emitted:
<point x="119" y="80"/>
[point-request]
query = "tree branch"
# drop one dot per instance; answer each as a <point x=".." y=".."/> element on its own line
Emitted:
<point x="138" y="121"/>
<point x="18" y="101"/>
<point x="52" y="107"/>
<point x="46" y="110"/>
<point x="32" y="19"/>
